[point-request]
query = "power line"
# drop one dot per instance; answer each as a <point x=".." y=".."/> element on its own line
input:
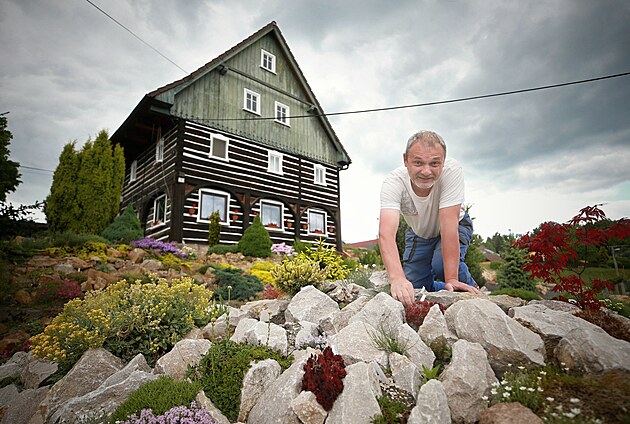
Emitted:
<point x="439" y="102"/>
<point x="36" y="169"/>
<point x="141" y="40"/>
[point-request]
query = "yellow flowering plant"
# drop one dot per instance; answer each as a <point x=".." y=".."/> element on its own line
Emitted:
<point x="127" y="319"/>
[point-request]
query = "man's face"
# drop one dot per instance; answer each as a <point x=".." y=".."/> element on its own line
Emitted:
<point x="424" y="164"/>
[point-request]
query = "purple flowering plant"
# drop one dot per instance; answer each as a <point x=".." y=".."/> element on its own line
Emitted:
<point x="282" y="249"/>
<point x="159" y="247"/>
<point x="175" y="415"/>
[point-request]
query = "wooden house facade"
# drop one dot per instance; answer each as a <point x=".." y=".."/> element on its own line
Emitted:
<point x="244" y="135"/>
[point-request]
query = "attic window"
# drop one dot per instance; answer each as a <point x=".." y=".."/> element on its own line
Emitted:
<point x="267" y="61"/>
<point x="251" y="101"/>
<point x="282" y="114"/>
<point x="218" y="147"/>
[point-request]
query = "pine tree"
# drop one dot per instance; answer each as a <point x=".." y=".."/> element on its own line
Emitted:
<point x="9" y="174"/>
<point x="510" y="275"/>
<point x="61" y="208"/>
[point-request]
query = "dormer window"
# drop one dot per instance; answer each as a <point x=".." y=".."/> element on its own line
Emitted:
<point x="267" y="61"/>
<point x="251" y="101"/>
<point x="282" y="113"/>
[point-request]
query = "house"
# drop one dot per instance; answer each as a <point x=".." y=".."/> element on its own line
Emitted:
<point x="244" y="135"/>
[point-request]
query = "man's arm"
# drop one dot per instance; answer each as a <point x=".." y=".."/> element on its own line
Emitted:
<point x="401" y="288"/>
<point x="449" y="232"/>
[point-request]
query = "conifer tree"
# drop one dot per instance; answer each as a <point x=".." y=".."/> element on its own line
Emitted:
<point x="86" y="196"/>
<point x="61" y="208"/>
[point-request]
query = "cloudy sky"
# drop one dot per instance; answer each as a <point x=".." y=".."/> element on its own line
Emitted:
<point x="67" y="71"/>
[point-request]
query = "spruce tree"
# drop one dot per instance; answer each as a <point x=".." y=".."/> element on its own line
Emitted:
<point x="125" y="228"/>
<point x="214" y="231"/>
<point x="510" y="275"/>
<point x="255" y="241"/>
<point x="61" y="207"/>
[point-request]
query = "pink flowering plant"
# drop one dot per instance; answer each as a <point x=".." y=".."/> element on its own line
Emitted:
<point x="282" y="249"/>
<point x="57" y="292"/>
<point x="176" y="415"/>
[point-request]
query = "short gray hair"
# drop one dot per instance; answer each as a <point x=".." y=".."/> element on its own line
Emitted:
<point x="429" y="138"/>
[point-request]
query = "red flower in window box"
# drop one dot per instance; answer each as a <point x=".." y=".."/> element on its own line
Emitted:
<point x="272" y="225"/>
<point x="318" y="232"/>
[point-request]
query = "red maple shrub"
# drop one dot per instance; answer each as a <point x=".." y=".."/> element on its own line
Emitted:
<point x="416" y="312"/>
<point x="554" y="247"/>
<point x="323" y="375"/>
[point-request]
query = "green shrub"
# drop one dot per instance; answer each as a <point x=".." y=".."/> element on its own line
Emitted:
<point x="511" y="275"/>
<point x="70" y="238"/>
<point x="222" y="249"/>
<point x="126" y="319"/>
<point x="516" y="292"/>
<point x="327" y="259"/>
<point x="371" y="257"/>
<point x="391" y="411"/>
<point x="222" y="369"/>
<point x="125" y="228"/>
<point x="495" y="265"/>
<point x="473" y="260"/>
<point x="158" y="395"/>
<point x="235" y="284"/>
<point x="293" y="274"/>
<point x="255" y="241"/>
<point x="214" y="231"/>
<point x="299" y="246"/>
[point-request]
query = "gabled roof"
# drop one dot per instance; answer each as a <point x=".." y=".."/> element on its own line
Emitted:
<point x="271" y="28"/>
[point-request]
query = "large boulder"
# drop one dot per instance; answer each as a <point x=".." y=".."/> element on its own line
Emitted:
<point x="357" y="402"/>
<point x="431" y="405"/>
<point x="187" y="352"/>
<point x="508" y="342"/>
<point x="310" y="304"/>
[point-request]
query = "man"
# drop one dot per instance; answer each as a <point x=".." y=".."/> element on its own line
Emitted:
<point x="428" y="191"/>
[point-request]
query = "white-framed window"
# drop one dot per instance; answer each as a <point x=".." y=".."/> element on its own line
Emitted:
<point x="320" y="175"/>
<point x="133" y="171"/>
<point x="267" y="61"/>
<point x="317" y="221"/>
<point x="159" y="210"/>
<point x="219" y="147"/>
<point x="282" y="113"/>
<point x="210" y="201"/>
<point x="271" y="214"/>
<point x="159" y="150"/>
<point x="251" y="101"/>
<point x="275" y="162"/>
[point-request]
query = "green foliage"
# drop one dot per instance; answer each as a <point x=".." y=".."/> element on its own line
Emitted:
<point x="9" y="174"/>
<point x="222" y="369"/>
<point x="361" y="277"/>
<point x="125" y="228"/>
<point x="299" y="246"/>
<point x="235" y="284"/>
<point x="222" y="249"/>
<point x="86" y="188"/>
<point x="371" y="257"/>
<point x="255" y="241"/>
<point x="127" y="319"/>
<point x="511" y="275"/>
<point x="430" y="373"/>
<point x="293" y="274"/>
<point x="473" y="260"/>
<point x="392" y="411"/>
<point x="328" y="260"/>
<point x="496" y="265"/>
<point x="443" y="352"/>
<point x="158" y="395"/>
<point x="385" y="338"/>
<point x="517" y="292"/>
<point x="400" y="236"/>
<point x="85" y="251"/>
<point x="214" y="231"/>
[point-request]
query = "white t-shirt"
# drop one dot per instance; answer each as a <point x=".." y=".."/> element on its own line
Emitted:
<point x="422" y="213"/>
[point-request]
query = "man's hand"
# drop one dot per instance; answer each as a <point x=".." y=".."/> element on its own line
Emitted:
<point x="455" y="285"/>
<point x="402" y="290"/>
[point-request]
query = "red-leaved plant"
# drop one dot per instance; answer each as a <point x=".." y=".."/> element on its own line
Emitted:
<point x="417" y="312"/>
<point x="555" y="245"/>
<point x="323" y="375"/>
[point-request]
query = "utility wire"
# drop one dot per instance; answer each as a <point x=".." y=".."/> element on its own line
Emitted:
<point x="36" y="169"/>
<point x="141" y="40"/>
<point x="440" y="102"/>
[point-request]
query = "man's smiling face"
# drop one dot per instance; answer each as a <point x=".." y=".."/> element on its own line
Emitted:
<point x="424" y="163"/>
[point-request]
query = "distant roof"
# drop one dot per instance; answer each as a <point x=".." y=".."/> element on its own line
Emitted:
<point x="368" y="244"/>
<point x="491" y="256"/>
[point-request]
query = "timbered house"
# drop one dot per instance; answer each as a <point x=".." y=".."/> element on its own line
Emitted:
<point x="244" y="135"/>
